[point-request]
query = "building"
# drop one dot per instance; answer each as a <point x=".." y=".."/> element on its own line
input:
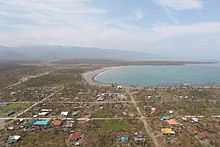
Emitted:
<point x="41" y="122"/>
<point x="124" y="138"/>
<point x="64" y="113"/>
<point x="166" y="131"/>
<point x="202" y="135"/>
<point x="56" y="122"/>
<point x="165" y="117"/>
<point x="8" y="113"/>
<point x="172" y="122"/>
<point x="13" y="139"/>
<point x="4" y="104"/>
<point x="74" y="137"/>
<point x="29" y="123"/>
<point x="195" y="120"/>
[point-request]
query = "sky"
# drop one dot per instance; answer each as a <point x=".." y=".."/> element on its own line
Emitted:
<point x="169" y="27"/>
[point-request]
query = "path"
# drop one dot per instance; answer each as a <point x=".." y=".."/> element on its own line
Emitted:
<point x="30" y="108"/>
<point x="29" y="77"/>
<point x="143" y="119"/>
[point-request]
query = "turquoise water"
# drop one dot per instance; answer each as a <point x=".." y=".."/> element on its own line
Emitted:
<point x="197" y="75"/>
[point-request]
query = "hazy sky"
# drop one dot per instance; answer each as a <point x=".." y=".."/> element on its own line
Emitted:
<point x="179" y="27"/>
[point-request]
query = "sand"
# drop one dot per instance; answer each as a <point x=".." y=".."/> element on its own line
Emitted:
<point x="90" y="76"/>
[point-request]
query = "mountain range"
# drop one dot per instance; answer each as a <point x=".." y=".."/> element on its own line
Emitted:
<point x="54" y="53"/>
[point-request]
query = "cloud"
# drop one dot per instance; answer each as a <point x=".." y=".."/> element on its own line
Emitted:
<point x="81" y="23"/>
<point x="180" y="4"/>
<point x="138" y="14"/>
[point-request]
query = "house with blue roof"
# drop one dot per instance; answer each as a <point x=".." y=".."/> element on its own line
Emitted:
<point x="41" y="122"/>
<point x="124" y="138"/>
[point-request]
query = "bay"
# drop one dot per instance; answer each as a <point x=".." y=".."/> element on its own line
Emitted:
<point x="195" y="74"/>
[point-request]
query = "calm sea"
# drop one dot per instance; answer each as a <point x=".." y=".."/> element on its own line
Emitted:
<point x="197" y="75"/>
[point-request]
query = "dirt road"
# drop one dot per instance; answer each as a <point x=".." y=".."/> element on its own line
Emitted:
<point x="143" y="119"/>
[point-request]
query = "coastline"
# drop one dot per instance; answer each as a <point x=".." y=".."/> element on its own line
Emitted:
<point x="91" y="75"/>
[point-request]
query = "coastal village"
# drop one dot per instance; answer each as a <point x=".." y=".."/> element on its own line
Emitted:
<point x="63" y="108"/>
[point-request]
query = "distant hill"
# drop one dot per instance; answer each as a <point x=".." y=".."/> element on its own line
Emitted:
<point x="54" y="53"/>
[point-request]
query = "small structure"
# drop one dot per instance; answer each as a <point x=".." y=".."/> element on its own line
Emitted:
<point x="184" y="118"/>
<point x="170" y="112"/>
<point x="69" y="124"/>
<point x="166" y="131"/>
<point x="165" y="117"/>
<point x="139" y="137"/>
<point x="74" y="137"/>
<point x="202" y="135"/>
<point x="76" y="113"/>
<point x="8" y="113"/>
<point x="119" y="87"/>
<point x="195" y="120"/>
<point x="41" y="122"/>
<point x="124" y="138"/>
<point x="153" y="110"/>
<point x="56" y="122"/>
<point x="12" y="93"/>
<point x="100" y="98"/>
<point x="4" y="104"/>
<point x="172" y="122"/>
<point x="43" y="114"/>
<point x="13" y="139"/>
<point x="29" y="123"/>
<point x="64" y="113"/>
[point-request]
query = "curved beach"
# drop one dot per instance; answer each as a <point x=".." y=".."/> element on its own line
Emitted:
<point x="90" y="76"/>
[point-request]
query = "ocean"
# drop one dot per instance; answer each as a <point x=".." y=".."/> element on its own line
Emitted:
<point x="172" y="75"/>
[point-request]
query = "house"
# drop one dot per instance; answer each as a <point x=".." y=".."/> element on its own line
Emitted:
<point x="12" y="93"/>
<point x="125" y="113"/>
<point x="13" y="139"/>
<point x="172" y="122"/>
<point x="56" y="122"/>
<point x="69" y="124"/>
<point x="64" y="113"/>
<point x="165" y="117"/>
<point x="100" y="98"/>
<point x="74" y="137"/>
<point x="14" y="100"/>
<point x="8" y="113"/>
<point x="41" y="122"/>
<point x="75" y="113"/>
<point x="119" y="87"/>
<point x="202" y="135"/>
<point x="167" y="131"/>
<point x="195" y="120"/>
<point x="184" y="118"/>
<point x="153" y="110"/>
<point x="46" y="110"/>
<point x="43" y="114"/>
<point x="124" y="138"/>
<point x="29" y="123"/>
<point x="4" y="104"/>
<point x="139" y="137"/>
<point x="171" y="112"/>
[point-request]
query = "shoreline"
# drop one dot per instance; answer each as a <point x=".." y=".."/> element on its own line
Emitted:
<point x="91" y="75"/>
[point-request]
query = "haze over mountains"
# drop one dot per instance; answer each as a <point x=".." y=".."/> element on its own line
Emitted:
<point x="70" y="52"/>
<point x="55" y="53"/>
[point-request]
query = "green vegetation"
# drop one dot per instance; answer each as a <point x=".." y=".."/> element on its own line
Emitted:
<point x="117" y="125"/>
<point x="15" y="107"/>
